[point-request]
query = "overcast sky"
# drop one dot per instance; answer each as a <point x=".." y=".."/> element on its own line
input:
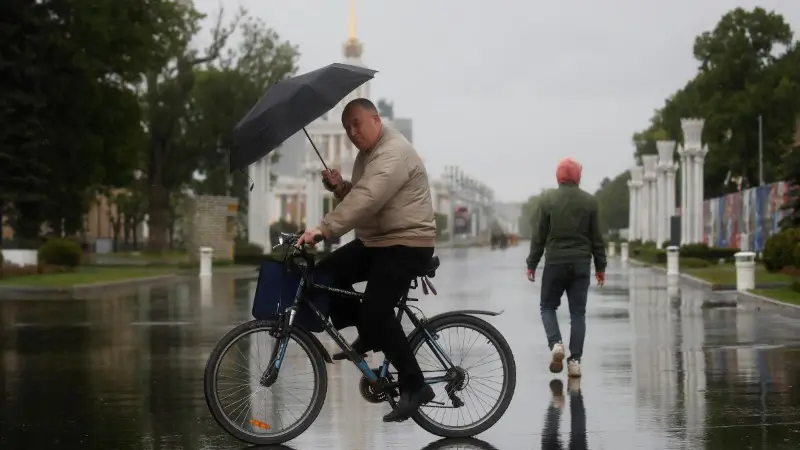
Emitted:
<point x="505" y="89"/>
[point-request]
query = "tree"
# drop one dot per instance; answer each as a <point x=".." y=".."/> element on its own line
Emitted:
<point x="70" y="111"/>
<point x="168" y="90"/>
<point x="528" y="213"/>
<point x="613" y="212"/>
<point x="224" y="93"/>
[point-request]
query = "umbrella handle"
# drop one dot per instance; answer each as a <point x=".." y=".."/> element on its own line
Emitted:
<point x="315" y="149"/>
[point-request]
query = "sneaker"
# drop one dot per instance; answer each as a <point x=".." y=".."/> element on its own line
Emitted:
<point x="574" y="368"/>
<point x="557" y="358"/>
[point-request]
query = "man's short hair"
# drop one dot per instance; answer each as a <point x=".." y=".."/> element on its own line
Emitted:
<point x="361" y="102"/>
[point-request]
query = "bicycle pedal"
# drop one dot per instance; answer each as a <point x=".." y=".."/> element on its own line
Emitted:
<point x="436" y="403"/>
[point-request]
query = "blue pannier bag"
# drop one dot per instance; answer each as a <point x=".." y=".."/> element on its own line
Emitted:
<point x="276" y="289"/>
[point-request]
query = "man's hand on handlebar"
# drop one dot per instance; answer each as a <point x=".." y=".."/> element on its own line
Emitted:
<point x="310" y="237"/>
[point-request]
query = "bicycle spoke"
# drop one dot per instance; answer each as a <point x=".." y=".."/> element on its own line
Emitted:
<point x="483" y="372"/>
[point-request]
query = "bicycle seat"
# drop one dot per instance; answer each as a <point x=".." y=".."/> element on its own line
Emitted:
<point x="430" y="269"/>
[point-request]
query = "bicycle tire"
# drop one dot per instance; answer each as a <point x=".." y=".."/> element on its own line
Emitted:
<point x="318" y="399"/>
<point x="509" y="383"/>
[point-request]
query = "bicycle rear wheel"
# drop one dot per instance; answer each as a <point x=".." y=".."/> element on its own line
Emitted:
<point x="235" y="369"/>
<point x="485" y="354"/>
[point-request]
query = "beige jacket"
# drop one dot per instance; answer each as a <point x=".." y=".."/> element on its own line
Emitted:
<point x="389" y="202"/>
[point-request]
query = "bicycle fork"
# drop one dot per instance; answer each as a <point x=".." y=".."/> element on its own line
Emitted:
<point x="270" y="375"/>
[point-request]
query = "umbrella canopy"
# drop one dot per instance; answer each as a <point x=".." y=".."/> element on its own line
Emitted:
<point x="289" y="106"/>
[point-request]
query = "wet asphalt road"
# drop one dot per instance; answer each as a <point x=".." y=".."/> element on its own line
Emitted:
<point x="125" y="371"/>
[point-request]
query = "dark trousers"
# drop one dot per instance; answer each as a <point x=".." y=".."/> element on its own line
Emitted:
<point x="388" y="272"/>
<point x="572" y="278"/>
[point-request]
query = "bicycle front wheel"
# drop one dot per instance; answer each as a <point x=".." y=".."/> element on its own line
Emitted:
<point x="482" y="381"/>
<point x="259" y="412"/>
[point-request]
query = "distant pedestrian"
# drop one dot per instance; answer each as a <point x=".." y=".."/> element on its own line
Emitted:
<point x="566" y="231"/>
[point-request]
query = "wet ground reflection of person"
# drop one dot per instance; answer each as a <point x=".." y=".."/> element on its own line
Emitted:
<point x="551" y="437"/>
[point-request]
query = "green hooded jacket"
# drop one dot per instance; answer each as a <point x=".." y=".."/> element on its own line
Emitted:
<point x="566" y="229"/>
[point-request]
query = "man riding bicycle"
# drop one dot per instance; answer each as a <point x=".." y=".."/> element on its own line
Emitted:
<point x="388" y="203"/>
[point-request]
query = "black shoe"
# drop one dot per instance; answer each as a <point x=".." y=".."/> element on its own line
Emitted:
<point x="409" y="403"/>
<point x="357" y="345"/>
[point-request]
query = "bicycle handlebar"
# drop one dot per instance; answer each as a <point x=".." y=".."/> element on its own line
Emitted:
<point x="288" y="242"/>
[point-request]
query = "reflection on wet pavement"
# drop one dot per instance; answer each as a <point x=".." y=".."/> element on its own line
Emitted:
<point x="660" y="370"/>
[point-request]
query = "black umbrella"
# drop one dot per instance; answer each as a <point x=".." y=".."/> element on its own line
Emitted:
<point x="289" y="106"/>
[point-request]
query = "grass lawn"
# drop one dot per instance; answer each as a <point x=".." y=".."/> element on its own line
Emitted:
<point x="785" y="295"/>
<point x="87" y="275"/>
<point x="726" y="274"/>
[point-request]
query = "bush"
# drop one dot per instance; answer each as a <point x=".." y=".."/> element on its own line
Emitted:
<point x="694" y="263"/>
<point x="248" y="254"/>
<point x="60" y="252"/>
<point x="780" y="250"/>
<point x="710" y="254"/>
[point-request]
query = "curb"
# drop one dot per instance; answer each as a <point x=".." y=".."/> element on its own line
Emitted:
<point x="747" y="300"/>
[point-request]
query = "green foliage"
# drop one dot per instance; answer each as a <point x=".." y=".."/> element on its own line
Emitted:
<point x="711" y="254"/>
<point x="694" y="263"/>
<point x="96" y="89"/>
<point x="612" y="198"/>
<point x="528" y="214"/>
<point x="780" y="250"/>
<point x="248" y="254"/>
<point x="60" y="252"/>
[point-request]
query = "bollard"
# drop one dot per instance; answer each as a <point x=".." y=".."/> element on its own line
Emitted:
<point x="205" y="261"/>
<point x="623" y="251"/>
<point x="612" y="249"/>
<point x="745" y="271"/>
<point x="673" y="267"/>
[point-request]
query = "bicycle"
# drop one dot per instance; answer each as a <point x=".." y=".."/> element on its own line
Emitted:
<point x="296" y="323"/>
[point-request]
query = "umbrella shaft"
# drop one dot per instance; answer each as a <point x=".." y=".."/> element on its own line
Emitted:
<point x="315" y="149"/>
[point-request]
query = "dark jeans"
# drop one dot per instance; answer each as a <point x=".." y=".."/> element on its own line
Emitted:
<point x="572" y="278"/>
<point x="388" y="272"/>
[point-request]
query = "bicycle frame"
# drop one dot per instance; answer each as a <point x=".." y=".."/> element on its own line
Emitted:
<point x="301" y="297"/>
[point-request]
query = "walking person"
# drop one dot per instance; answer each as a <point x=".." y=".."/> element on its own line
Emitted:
<point x="388" y="203"/>
<point x="567" y="233"/>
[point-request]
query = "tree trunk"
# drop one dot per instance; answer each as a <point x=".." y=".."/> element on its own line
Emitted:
<point x="158" y="199"/>
<point x="159" y="219"/>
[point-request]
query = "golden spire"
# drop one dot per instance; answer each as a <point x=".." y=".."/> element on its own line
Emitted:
<point x="352" y="48"/>
<point x="351" y="22"/>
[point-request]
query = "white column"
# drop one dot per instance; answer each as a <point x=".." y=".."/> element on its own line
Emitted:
<point x="670" y="198"/>
<point x="654" y="209"/>
<point x="313" y="196"/>
<point x="631" y="210"/>
<point x="637" y="172"/>
<point x="651" y="201"/>
<point x="690" y="206"/>
<point x="699" y="195"/>
<point x="693" y="146"/>
<point x="666" y="157"/>
<point x="684" y="189"/>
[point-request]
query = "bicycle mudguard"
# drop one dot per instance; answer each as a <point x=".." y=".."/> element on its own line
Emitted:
<point x="475" y="312"/>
